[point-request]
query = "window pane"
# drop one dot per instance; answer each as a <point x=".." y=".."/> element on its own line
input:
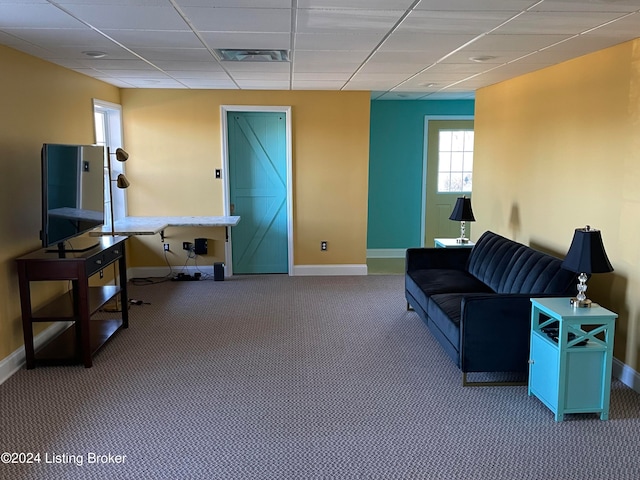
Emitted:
<point x="444" y="161"/>
<point x="468" y="161"/>
<point x="445" y="140"/>
<point x="457" y="141"/>
<point x="467" y="182"/>
<point x="455" y="160"/>
<point x="444" y="182"/>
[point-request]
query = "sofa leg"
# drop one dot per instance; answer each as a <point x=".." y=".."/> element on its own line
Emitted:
<point x="466" y="383"/>
<point x="409" y="308"/>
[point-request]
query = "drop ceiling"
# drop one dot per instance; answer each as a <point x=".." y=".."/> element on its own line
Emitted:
<point x="397" y="49"/>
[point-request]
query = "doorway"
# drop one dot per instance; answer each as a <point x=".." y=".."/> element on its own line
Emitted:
<point x="257" y="159"/>
<point x="448" y="174"/>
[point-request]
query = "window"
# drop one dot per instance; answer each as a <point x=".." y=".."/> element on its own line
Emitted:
<point x="108" y="129"/>
<point x="455" y="161"/>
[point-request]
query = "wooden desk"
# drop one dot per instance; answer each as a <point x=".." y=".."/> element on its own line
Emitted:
<point x="85" y="336"/>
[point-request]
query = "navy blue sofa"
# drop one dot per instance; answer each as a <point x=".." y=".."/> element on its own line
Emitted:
<point x="476" y="301"/>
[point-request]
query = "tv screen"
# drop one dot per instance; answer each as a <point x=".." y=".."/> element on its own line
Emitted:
<point x="72" y="194"/>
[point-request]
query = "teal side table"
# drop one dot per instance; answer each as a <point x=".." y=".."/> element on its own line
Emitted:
<point x="571" y="356"/>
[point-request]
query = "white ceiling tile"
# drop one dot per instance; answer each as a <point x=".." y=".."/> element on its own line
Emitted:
<point x="245" y="40"/>
<point x="499" y="42"/>
<point x="588" y="6"/>
<point x="357" y="4"/>
<point x="473" y="23"/>
<point x="197" y="74"/>
<point x="239" y="19"/>
<point x="266" y="76"/>
<point x="35" y="16"/>
<point x="135" y="17"/>
<point x="257" y="67"/>
<point x="330" y="77"/>
<point x="182" y="54"/>
<point x="155" y="38"/>
<point x="104" y="64"/>
<point x="79" y="37"/>
<point x="189" y="66"/>
<point x="339" y="21"/>
<point x="131" y="73"/>
<point x="112" y="51"/>
<point x="317" y="84"/>
<point x="338" y="41"/>
<point x="556" y="22"/>
<point x="234" y="3"/>
<point x="153" y="82"/>
<point x="424" y="42"/>
<point x="476" y="6"/>
<point x="263" y="84"/>
<point x="209" y="84"/>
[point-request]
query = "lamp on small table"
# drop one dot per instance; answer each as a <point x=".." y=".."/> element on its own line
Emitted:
<point x="462" y="212"/>
<point x="586" y="255"/>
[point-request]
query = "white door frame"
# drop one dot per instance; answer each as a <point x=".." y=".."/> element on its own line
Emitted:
<point x="224" y="109"/>
<point x="427" y="119"/>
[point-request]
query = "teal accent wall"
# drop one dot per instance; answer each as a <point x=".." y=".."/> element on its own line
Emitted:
<point x="396" y="150"/>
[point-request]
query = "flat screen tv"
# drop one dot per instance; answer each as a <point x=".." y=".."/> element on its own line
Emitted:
<point x="72" y="195"/>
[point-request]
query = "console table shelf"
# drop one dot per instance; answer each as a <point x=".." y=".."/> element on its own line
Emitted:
<point x="85" y="335"/>
<point x="61" y="309"/>
<point x="62" y="350"/>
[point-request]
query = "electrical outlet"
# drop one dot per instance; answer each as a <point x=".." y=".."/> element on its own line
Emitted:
<point x="101" y="273"/>
<point x="166" y="247"/>
<point x="323" y="245"/>
<point x="187" y="245"/>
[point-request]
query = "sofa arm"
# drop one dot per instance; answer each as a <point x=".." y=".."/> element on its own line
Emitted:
<point x="494" y="333"/>
<point x="424" y="258"/>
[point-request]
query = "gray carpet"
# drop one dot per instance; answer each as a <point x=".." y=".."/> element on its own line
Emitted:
<point x="276" y="377"/>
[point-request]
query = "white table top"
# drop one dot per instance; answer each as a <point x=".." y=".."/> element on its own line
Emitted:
<point x="452" y="243"/>
<point x="560" y="307"/>
<point x="153" y="225"/>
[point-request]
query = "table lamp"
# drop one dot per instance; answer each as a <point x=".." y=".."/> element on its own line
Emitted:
<point x="462" y="213"/>
<point x="586" y="255"/>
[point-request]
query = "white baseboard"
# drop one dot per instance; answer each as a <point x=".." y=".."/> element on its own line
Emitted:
<point x="158" y="272"/>
<point x="298" y="270"/>
<point x="386" y="252"/>
<point x="626" y="374"/>
<point x="324" y="270"/>
<point x="15" y="361"/>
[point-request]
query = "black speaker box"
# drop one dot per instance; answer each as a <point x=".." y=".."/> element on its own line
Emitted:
<point x="218" y="271"/>
<point x="200" y="246"/>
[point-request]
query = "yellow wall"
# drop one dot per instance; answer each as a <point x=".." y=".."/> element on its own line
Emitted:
<point x="559" y="149"/>
<point x="40" y="103"/>
<point x="174" y="139"/>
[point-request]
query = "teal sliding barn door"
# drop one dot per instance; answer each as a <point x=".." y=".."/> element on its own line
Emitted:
<point x="258" y="191"/>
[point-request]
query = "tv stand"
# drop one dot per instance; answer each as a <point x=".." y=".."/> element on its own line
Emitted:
<point x="62" y="251"/>
<point x="85" y="336"/>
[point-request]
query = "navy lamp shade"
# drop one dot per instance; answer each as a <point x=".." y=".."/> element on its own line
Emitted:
<point x="462" y="212"/>
<point x="586" y="255"/>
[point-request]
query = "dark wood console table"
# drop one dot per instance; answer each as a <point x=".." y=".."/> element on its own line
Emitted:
<point x="85" y="336"/>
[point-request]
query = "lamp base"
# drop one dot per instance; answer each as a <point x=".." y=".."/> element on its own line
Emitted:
<point x="586" y="303"/>
<point x="462" y="240"/>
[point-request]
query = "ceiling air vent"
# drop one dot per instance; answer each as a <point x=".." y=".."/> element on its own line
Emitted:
<point x="234" y="55"/>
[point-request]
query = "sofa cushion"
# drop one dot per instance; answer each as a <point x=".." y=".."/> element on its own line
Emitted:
<point x="510" y="267"/>
<point x="441" y="280"/>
